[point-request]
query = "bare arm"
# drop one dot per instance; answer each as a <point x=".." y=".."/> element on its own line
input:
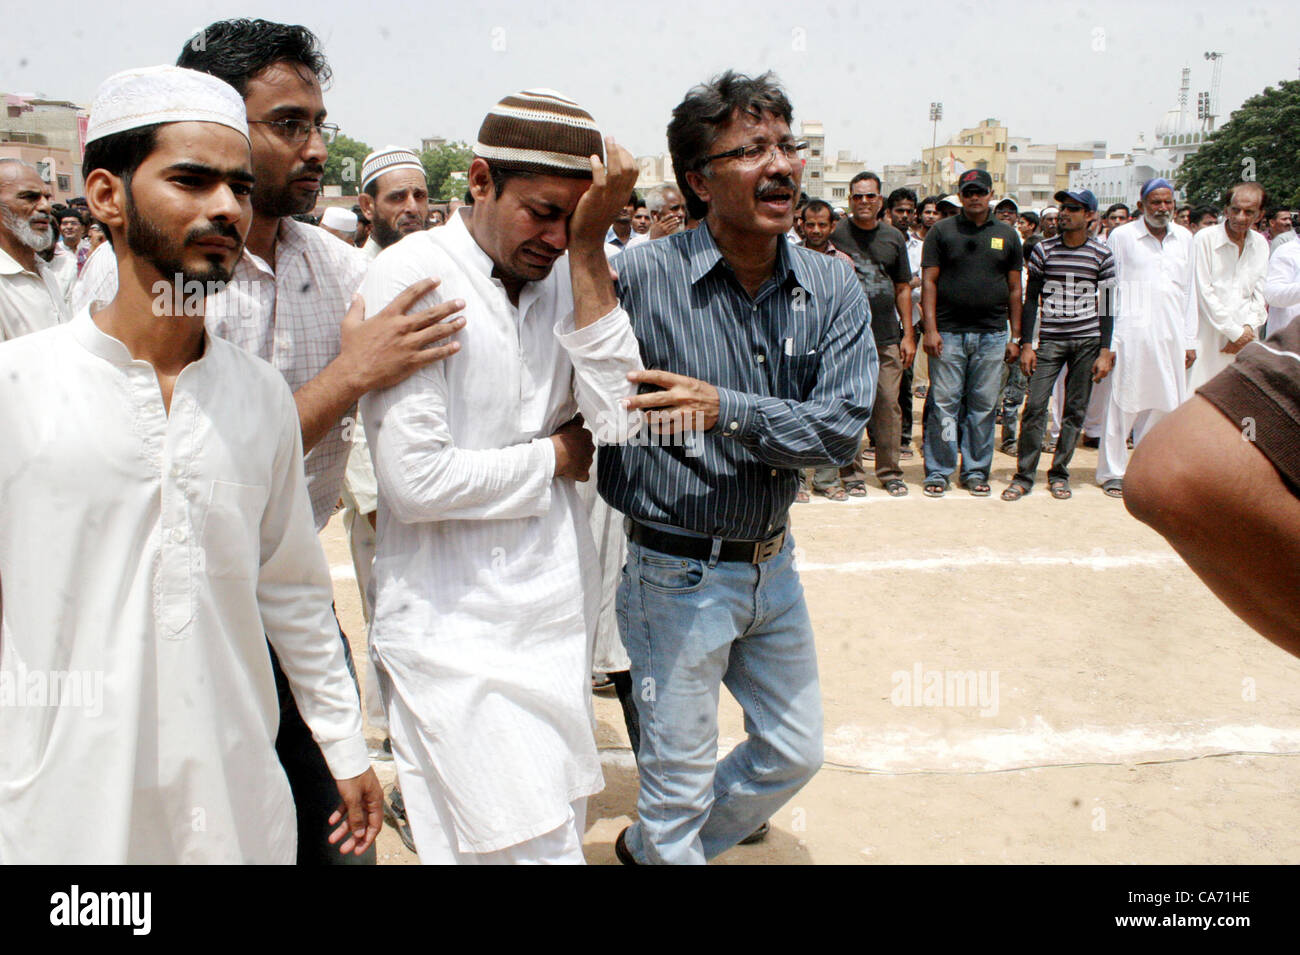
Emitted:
<point x="1221" y="504"/>
<point x="903" y="304"/>
<point x="593" y="292"/>
<point x="930" y="339"/>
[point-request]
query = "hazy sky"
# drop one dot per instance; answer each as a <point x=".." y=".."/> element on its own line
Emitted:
<point x="1050" y="70"/>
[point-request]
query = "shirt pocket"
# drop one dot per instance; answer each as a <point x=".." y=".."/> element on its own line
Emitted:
<point x="232" y="525"/>
<point x="796" y="368"/>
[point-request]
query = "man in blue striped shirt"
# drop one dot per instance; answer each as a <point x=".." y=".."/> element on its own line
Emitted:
<point x="760" y="361"/>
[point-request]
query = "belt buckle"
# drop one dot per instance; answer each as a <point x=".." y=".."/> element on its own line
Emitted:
<point x="766" y="550"/>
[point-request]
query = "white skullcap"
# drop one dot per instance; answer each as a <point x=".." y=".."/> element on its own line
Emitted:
<point x="342" y="219"/>
<point x="163" y="94"/>
<point x="384" y="160"/>
<point x="1052" y="209"/>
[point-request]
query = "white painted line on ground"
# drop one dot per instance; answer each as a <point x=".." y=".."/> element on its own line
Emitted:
<point x="1096" y="560"/>
<point x="909" y="749"/>
<point x="1037" y="745"/>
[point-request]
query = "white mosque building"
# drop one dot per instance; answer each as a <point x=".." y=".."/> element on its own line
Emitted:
<point x="1120" y="178"/>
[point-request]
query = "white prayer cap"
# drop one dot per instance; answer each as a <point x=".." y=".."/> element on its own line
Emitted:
<point x="163" y="94"/>
<point x="384" y="160"/>
<point x="1051" y="209"/>
<point x="344" y="220"/>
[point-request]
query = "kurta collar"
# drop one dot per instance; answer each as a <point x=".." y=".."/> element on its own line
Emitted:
<point x="10" y="266"/>
<point x="102" y="345"/>
<point x="460" y="242"/>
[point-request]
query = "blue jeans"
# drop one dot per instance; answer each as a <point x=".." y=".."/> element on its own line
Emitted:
<point x="970" y="368"/>
<point x="691" y="626"/>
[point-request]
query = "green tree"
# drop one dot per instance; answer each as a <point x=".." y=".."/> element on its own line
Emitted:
<point x="343" y="165"/>
<point x="440" y="163"/>
<point x="1258" y="142"/>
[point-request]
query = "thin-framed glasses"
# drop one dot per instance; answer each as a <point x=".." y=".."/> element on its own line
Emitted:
<point x="758" y="153"/>
<point x="297" y="130"/>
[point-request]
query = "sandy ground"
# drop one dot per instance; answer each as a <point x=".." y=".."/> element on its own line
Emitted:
<point x="1041" y="681"/>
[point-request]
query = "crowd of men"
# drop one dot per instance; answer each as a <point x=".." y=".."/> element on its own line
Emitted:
<point x="1016" y="314"/>
<point x="195" y="373"/>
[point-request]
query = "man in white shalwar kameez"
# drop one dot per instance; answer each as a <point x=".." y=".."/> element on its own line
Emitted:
<point x="156" y="531"/>
<point x="1155" y="328"/>
<point x="1231" y="262"/>
<point x="487" y="584"/>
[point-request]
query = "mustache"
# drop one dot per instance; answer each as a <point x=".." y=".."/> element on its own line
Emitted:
<point x="311" y="170"/>
<point x="222" y="230"/>
<point x="771" y="187"/>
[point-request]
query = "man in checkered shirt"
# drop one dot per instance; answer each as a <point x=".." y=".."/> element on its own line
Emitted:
<point x="291" y="302"/>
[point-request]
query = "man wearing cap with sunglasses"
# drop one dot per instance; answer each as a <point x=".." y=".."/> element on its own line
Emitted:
<point x="970" y="290"/>
<point x="1074" y="274"/>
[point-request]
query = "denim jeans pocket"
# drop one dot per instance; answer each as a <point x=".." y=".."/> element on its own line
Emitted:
<point x="672" y="575"/>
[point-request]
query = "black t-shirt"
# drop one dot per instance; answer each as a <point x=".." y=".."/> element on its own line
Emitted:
<point x="880" y="259"/>
<point x="973" y="263"/>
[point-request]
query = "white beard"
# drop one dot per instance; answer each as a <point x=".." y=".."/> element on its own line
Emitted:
<point x="25" y="233"/>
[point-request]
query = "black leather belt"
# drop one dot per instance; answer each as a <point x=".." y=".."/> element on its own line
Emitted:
<point x="701" y="548"/>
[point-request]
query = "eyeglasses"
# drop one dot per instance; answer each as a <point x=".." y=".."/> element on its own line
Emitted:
<point x="864" y="195"/>
<point x="297" y="130"/>
<point x="757" y="154"/>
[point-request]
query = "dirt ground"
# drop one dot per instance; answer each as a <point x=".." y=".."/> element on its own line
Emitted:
<point x="1041" y="681"/>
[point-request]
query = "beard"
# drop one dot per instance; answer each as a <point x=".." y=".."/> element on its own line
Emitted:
<point x="284" y="199"/>
<point x="147" y="242"/>
<point x="25" y="232"/>
<point x="385" y="235"/>
<point x="1157" y="220"/>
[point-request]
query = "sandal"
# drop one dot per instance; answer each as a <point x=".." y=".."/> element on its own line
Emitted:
<point x="835" y="493"/>
<point x="896" y="488"/>
<point x="1060" y="490"/>
<point x="801" y="496"/>
<point x="1014" y="492"/>
<point x="855" y="489"/>
<point x="979" y="489"/>
<point x="935" y="489"/>
<point x="905" y="454"/>
<point x="1113" y="488"/>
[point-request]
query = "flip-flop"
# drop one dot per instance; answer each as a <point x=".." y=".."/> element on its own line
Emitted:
<point x="934" y="489"/>
<point x="1060" y="490"/>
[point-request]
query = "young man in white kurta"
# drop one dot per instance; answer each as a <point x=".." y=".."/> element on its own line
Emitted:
<point x="155" y="531"/>
<point x="152" y="547"/>
<point x="487" y="581"/>
<point x="1155" y="328"/>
